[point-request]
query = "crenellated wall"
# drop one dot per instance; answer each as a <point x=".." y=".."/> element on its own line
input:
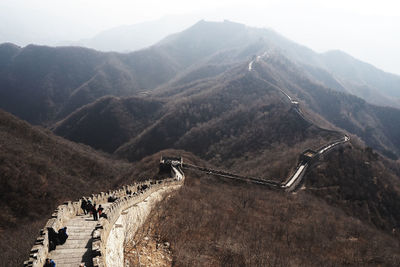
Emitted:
<point x="125" y="216"/>
<point x="69" y="210"/>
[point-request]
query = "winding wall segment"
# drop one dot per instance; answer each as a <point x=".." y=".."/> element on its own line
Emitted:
<point x="291" y="183"/>
<point x="95" y="234"/>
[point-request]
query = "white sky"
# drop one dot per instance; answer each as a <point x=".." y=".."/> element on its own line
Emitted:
<point x="368" y="30"/>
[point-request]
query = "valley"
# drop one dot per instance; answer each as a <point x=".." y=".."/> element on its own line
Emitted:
<point x="290" y="157"/>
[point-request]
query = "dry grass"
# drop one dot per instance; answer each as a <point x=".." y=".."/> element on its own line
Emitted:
<point x="38" y="172"/>
<point x="213" y="223"/>
<point x="360" y="182"/>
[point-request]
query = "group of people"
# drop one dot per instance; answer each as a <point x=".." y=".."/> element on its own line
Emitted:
<point x="56" y="238"/>
<point x="59" y="238"/>
<point x="49" y="263"/>
<point x="88" y="207"/>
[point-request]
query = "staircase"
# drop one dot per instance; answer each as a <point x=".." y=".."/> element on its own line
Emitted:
<point x="78" y="247"/>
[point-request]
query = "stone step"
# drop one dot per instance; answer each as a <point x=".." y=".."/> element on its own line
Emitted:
<point x="80" y="236"/>
<point x="77" y="248"/>
<point x="88" y="221"/>
<point x="76" y="245"/>
<point x="70" y="259"/>
<point x="72" y="228"/>
<point x="80" y="233"/>
<point x="71" y="241"/>
<point x="82" y="225"/>
<point x="77" y="231"/>
<point x="66" y="251"/>
<point x="82" y="242"/>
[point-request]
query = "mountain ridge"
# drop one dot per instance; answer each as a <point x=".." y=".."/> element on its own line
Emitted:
<point x="230" y="105"/>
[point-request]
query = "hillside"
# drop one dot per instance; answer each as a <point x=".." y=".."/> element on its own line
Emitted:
<point x="229" y="119"/>
<point x="234" y="100"/>
<point x="109" y="122"/>
<point x="38" y="172"/>
<point x="44" y="84"/>
<point x="36" y="80"/>
<point x="337" y="219"/>
<point x="211" y="63"/>
<point x="377" y="126"/>
<point x="222" y="95"/>
<point x="362" y="183"/>
<point x="363" y="80"/>
<point x="334" y="69"/>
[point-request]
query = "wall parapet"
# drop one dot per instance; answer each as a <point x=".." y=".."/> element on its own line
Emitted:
<point x="105" y="225"/>
<point x="126" y="196"/>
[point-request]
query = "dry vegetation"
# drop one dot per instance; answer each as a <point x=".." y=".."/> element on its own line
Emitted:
<point x="214" y="223"/>
<point x="377" y="126"/>
<point x="149" y="251"/>
<point x="38" y="172"/>
<point x="109" y="122"/>
<point x="226" y="119"/>
<point x="281" y="159"/>
<point x="233" y="119"/>
<point x="362" y="183"/>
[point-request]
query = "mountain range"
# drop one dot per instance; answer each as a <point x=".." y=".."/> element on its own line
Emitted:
<point x="134" y="37"/>
<point x="45" y="85"/>
<point x="219" y="93"/>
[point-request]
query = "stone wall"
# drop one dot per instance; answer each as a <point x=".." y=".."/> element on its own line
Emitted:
<point x="68" y="210"/>
<point x="125" y="216"/>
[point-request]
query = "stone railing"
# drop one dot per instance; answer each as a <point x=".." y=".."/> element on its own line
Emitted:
<point x="64" y="213"/>
<point x="40" y="250"/>
<point x="113" y="212"/>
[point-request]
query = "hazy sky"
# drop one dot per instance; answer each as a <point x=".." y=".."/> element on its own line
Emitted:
<point x="368" y="30"/>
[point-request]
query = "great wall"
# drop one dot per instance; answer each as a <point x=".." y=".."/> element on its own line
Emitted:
<point x="101" y="243"/>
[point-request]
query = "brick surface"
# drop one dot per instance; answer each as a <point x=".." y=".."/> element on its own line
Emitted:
<point x="78" y="247"/>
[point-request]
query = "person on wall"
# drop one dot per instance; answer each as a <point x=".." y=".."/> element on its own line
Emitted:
<point x="89" y="207"/>
<point x="53" y="238"/>
<point x="49" y="263"/>
<point x="94" y="212"/>
<point x="62" y="235"/>
<point x="100" y="210"/>
<point x="84" y="206"/>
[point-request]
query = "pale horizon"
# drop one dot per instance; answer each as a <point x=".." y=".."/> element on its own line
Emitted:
<point x="367" y="30"/>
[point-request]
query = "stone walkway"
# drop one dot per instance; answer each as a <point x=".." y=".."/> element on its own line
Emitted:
<point x="78" y="247"/>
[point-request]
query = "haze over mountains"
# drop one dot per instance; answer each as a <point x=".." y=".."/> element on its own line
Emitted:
<point x="44" y="85"/>
<point x="134" y="37"/>
<point x="196" y="91"/>
<point x="358" y="77"/>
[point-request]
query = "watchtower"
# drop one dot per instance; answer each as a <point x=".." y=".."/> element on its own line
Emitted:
<point x="307" y="155"/>
<point x="166" y="163"/>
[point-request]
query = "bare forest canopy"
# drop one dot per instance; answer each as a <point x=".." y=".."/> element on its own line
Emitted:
<point x="223" y="96"/>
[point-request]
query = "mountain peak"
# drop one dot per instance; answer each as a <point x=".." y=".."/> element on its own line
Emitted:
<point x="9" y="46"/>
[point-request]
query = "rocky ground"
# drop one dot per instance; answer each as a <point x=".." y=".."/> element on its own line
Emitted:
<point x="149" y="251"/>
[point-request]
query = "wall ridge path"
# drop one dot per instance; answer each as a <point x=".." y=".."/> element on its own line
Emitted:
<point x="88" y="241"/>
<point x="100" y="243"/>
<point x="306" y="159"/>
<point x="78" y="247"/>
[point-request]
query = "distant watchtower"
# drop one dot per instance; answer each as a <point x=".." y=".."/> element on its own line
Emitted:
<point x="307" y="155"/>
<point x="166" y="163"/>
